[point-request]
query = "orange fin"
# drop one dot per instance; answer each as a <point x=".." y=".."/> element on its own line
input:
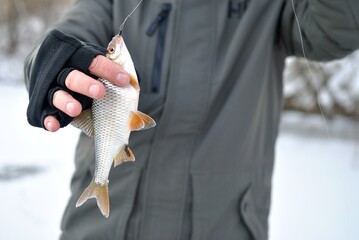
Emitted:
<point x="100" y="192"/>
<point x="141" y="121"/>
<point x="85" y="122"/>
<point x="124" y="155"/>
<point x="136" y="122"/>
<point x="149" y="122"/>
<point x="134" y="82"/>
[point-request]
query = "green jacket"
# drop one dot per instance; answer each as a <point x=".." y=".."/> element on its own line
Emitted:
<point x="211" y="77"/>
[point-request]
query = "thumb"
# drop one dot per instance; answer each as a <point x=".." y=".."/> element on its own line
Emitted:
<point x="106" y="69"/>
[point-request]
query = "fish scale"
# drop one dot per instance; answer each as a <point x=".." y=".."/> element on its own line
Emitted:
<point x="112" y="129"/>
<point x="110" y="122"/>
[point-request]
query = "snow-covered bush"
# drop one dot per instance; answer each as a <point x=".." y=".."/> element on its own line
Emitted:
<point x="332" y="86"/>
<point x="22" y="22"/>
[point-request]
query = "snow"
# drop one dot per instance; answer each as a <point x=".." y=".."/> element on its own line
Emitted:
<point x="11" y="69"/>
<point x="315" y="192"/>
<point x="336" y="83"/>
<point x="35" y="192"/>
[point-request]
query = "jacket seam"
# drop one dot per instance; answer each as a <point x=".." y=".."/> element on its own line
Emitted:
<point x="164" y="123"/>
<point x="355" y="17"/>
<point x="200" y="123"/>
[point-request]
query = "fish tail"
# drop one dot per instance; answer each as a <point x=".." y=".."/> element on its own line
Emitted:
<point x="100" y="193"/>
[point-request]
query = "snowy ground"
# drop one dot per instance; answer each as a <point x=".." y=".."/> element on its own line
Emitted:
<point x="316" y="176"/>
<point x="35" y="171"/>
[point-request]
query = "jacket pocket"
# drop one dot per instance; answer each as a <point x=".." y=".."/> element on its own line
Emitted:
<point x="158" y="44"/>
<point x="249" y="215"/>
<point x="222" y="208"/>
<point x="155" y="64"/>
<point x="160" y="25"/>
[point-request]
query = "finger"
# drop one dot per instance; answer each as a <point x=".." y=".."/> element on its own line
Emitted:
<point x="51" y="124"/>
<point x="106" y="69"/>
<point x="66" y="103"/>
<point x="85" y="85"/>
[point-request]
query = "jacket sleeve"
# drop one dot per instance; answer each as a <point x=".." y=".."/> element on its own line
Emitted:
<point x="88" y="20"/>
<point x="329" y="28"/>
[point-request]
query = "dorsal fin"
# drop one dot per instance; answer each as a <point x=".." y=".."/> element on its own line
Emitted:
<point x="85" y="122"/>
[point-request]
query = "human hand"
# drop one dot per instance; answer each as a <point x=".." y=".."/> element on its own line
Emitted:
<point x="79" y="82"/>
<point x="62" y="79"/>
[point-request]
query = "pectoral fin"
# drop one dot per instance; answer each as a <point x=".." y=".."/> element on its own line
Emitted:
<point x="85" y="122"/>
<point x="100" y="192"/>
<point x="141" y="121"/>
<point x="124" y="155"/>
<point x="134" y="82"/>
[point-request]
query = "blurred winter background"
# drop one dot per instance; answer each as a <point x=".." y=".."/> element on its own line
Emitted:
<point x="316" y="175"/>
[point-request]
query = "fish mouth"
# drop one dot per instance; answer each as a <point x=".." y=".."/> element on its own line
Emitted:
<point x="118" y="39"/>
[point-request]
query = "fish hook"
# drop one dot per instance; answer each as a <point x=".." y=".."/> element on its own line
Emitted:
<point x="128" y="16"/>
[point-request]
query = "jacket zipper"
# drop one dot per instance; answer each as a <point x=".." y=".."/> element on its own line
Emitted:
<point x="159" y="23"/>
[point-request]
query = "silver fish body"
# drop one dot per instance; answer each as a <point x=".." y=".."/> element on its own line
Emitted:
<point x="111" y="125"/>
<point x="110" y="122"/>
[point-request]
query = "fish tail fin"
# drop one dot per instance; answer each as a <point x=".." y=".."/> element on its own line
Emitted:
<point x="100" y="193"/>
<point x="124" y="155"/>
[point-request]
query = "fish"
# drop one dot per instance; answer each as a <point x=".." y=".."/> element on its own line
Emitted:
<point x="110" y="120"/>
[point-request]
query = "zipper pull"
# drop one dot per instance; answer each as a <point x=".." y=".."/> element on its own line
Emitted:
<point x="162" y="15"/>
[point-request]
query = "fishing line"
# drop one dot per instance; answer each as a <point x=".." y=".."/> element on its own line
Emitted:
<point x="128" y="16"/>
<point x="310" y="70"/>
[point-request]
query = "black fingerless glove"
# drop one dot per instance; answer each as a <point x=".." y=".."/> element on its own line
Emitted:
<point x="58" y="55"/>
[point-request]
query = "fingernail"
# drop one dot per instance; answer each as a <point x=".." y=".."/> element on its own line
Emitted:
<point x="49" y="126"/>
<point x="123" y="79"/>
<point x="70" y="107"/>
<point x="94" y="91"/>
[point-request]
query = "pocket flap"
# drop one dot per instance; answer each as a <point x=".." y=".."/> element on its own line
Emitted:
<point x="249" y="215"/>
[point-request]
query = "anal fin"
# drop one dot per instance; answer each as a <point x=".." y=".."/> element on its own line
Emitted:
<point x="125" y="155"/>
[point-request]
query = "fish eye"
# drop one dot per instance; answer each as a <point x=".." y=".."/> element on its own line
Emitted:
<point x="111" y="50"/>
